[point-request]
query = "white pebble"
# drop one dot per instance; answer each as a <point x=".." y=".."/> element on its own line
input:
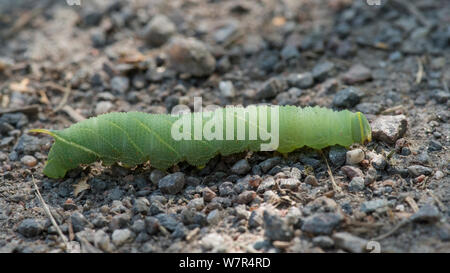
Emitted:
<point x="121" y="236"/>
<point x="213" y="217"/>
<point x="438" y="175"/>
<point x="355" y="156"/>
<point x="103" y="107"/>
<point x="227" y="89"/>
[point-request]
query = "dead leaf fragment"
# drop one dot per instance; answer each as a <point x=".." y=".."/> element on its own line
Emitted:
<point x="82" y="185"/>
<point x="21" y="86"/>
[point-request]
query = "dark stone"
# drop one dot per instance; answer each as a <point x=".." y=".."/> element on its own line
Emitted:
<point x="98" y="185"/>
<point x="226" y="189"/>
<point x="79" y="222"/>
<point x="306" y="160"/>
<point x="416" y="170"/>
<point x="156" y="208"/>
<point x="434" y="146"/>
<point x="276" y="228"/>
<point x="30" y="227"/>
<point x="120" y="84"/>
<point x="290" y="52"/>
<point x="116" y="194"/>
<point x="356" y="185"/>
<point x="98" y="38"/>
<point x="188" y="55"/>
<point x="151" y="225"/>
<point x="337" y="155"/>
<point x="172" y="183"/>
<point x="241" y="167"/>
<point x="158" y="31"/>
<point x="268" y="60"/>
<point x="271" y="88"/>
<point x="369" y="108"/>
<point x="268" y="164"/>
<point x="346" y="98"/>
<point x="322" y="70"/>
<point x="92" y="17"/>
<point x="322" y="223"/>
<point x="427" y="213"/>
<point x="168" y="221"/>
<point x="372" y="205"/>
<point x="255" y="220"/>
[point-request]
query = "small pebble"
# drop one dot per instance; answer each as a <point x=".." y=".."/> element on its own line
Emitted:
<point x="417" y="170"/>
<point x="389" y="128"/>
<point x="120" y="84"/>
<point x="191" y="56"/>
<point x="438" y="175"/>
<point x="102" y="241"/>
<point x="434" y="146"/>
<point x="227" y="89"/>
<point x="245" y="197"/>
<point x="356" y="185"/>
<point x="208" y="194"/>
<point x="241" y="167"/>
<point x="354" y="157"/>
<point x="350" y="242"/>
<point x="151" y="225"/>
<point x="302" y="80"/>
<point x="255" y="220"/>
<point x="196" y="203"/>
<point x="427" y="213"/>
<point x="323" y="242"/>
<point x="322" y="223"/>
<point x="321" y="71"/>
<point x="29" y="161"/>
<point x="337" y="155"/>
<point x="79" y="222"/>
<point x="372" y="205"/>
<point x="347" y="98"/>
<point x="122" y="236"/>
<point x="158" y="31"/>
<point x="156" y="175"/>
<point x="271" y="88"/>
<point x="351" y="171"/>
<point x="213" y="217"/>
<point x="172" y="183"/>
<point x="30" y="227"/>
<point x="103" y="107"/>
<point x="276" y="228"/>
<point x="268" y="164"/>
<point x="357" y="74"/>
<point x="141" y="205"/>
<point x="311" y="180"/>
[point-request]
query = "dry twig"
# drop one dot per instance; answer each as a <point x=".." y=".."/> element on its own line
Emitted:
<point x="419" y="74"/>
<point x="333" y="182"/>
<point x="49" y="215"/>
<point x="397" y="227"/>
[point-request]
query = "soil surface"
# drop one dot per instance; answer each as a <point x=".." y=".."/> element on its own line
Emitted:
<point x="61" y="63"/>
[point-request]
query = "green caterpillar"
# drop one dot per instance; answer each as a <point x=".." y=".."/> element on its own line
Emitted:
<point x="133" y="138"/>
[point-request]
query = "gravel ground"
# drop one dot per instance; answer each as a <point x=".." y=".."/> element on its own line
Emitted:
<point x="60" y="64"/>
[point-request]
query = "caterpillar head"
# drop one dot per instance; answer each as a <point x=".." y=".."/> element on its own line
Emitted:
<point x="361" y="131"/>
